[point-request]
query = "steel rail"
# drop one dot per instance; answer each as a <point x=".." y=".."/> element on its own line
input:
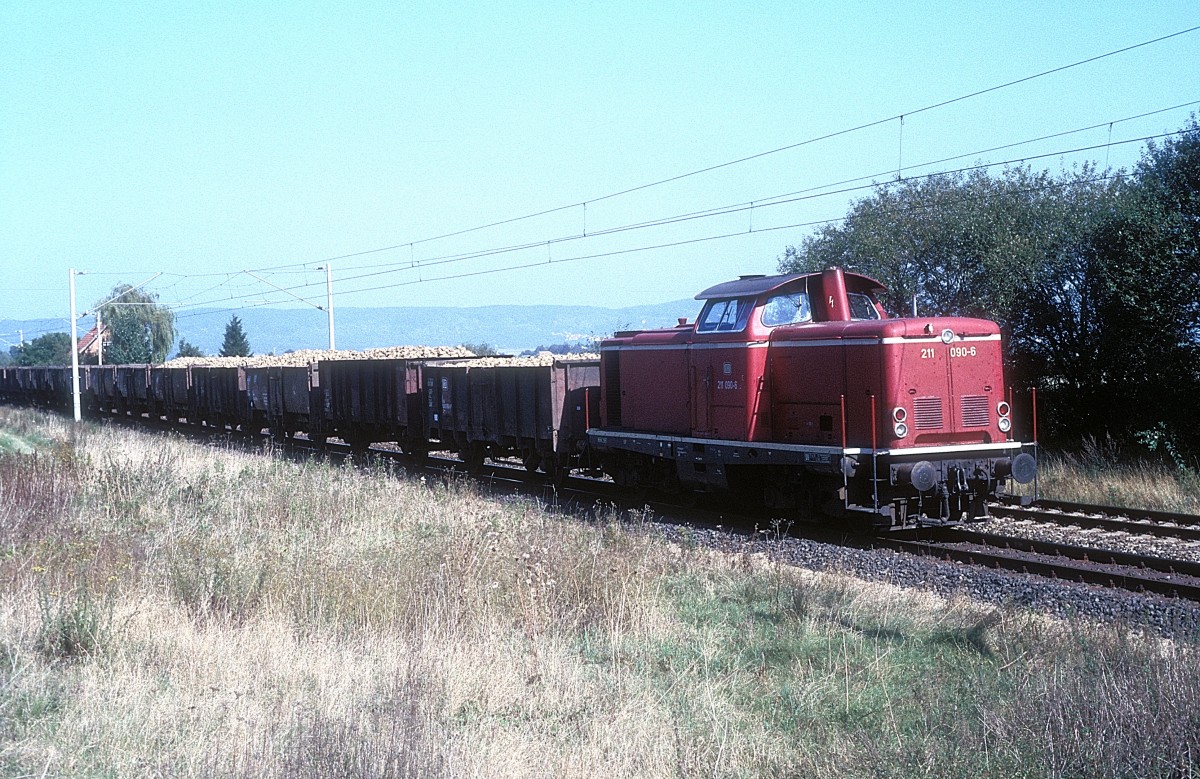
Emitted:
<point x="1132" y="513"/>
<point x="1180" y="579"/>
<point x="1087" y="554"/>
<point x="1112" y="519"/>
<point x="1187" y="587"/>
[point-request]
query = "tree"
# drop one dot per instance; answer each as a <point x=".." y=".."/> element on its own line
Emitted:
<point x="962" y="244"/>
<point x="141" y="330"/>
<point x="482" y="349"/>
<point x="48" y="349"/>
<point x="1094" y="278"/>
<point x="235" y="344"/>
<point x="188" y="350"/>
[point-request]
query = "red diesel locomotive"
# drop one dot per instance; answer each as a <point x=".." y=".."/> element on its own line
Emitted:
<point x="798" y="391"/>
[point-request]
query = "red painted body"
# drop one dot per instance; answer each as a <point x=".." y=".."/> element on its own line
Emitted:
<point x="810" y="368"/>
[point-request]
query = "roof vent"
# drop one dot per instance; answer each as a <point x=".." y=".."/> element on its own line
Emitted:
<point x="752" y="276"/>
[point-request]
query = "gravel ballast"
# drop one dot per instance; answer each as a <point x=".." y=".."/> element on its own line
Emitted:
<point x="1168" y="617"/>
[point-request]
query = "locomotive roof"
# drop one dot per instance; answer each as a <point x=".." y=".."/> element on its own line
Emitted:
<point x="756" y="285"/>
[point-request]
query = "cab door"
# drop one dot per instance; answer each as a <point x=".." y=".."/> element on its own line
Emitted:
<point x="700" y="381"/>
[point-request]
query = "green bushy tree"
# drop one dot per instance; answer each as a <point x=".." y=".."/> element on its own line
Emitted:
<point x="188" y="350"/>
<point x="1093" y="276"/>
<point x="48" y="349"/>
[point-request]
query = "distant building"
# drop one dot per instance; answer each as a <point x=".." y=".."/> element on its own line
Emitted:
<point x="89" y="345"/>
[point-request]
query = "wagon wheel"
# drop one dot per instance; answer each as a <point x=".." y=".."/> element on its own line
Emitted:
<point x="473" y="457"/>
<point x="531" y="460"/>
<point x="358" y="443"/>
<point x="556" y="472"/>
<point x="416" y="449"/>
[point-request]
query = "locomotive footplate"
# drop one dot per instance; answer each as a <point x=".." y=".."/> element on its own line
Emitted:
<point x="891" y="489"/>
<point x="707" y="450"/>
<point x="701" y="464"/>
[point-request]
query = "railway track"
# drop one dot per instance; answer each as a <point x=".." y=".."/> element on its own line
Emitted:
<point x="1145" y="573"/>
<point x="1152" y="573"/>
<point x="1134" y="521"/>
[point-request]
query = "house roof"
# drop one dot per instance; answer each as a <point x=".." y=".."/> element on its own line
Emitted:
<point x="88" y="341"/>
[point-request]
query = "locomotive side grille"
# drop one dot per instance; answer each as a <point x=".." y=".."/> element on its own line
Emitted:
<point x="975" y="411"/>
<point x="927" y="413"/>
<point x="612" y="380"/>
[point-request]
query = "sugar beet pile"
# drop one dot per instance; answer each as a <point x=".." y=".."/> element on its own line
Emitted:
<point x="306" y="356"/>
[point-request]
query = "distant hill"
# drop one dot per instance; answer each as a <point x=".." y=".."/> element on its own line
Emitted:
<point x="508" y="328"/>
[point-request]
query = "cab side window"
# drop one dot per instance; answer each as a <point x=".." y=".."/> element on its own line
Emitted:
<point x="861" y="307"/>
<point x="788" y="309"/>
<point x="728" y="315"/>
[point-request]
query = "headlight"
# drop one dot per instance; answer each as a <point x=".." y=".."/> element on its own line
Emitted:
<point x="901" y="429"/>
<point x="1002" y="408"/>
<point x="1004" y="425"/>
<point x="947" y="335"/>
<point x="899" y="414"/>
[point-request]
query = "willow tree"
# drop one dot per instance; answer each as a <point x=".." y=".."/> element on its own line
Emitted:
<point x="141" y="330"/>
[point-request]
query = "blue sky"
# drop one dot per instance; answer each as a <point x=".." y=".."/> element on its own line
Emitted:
<point x="211" y="138"/>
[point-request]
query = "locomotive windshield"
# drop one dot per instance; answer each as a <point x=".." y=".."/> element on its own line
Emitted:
<point x="788" y="309"/>
<point x="725" y="315"/>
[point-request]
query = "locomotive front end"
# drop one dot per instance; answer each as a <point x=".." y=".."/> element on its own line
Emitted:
<point x="942" y="431"/>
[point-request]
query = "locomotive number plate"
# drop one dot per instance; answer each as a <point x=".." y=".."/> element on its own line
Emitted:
<point x="930" y="353"/>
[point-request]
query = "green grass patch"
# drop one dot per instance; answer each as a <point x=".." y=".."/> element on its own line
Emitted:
<point x="17" y="444"/>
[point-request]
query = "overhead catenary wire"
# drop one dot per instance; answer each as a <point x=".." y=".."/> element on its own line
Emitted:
<point x="737" y="161"/>
<point x="229" y="278"/>
<point x="766" y="201"/>
<point x="299" y="268"/>
<point x="638" y="249"/>
<point x="674" y="244"/>
<point x="720" y="211"/>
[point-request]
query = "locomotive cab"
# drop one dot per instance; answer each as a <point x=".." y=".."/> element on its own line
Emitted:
<point x="799" y="391"/>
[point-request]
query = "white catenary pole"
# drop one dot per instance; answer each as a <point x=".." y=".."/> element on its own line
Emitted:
<point x="99" y="339"/>
<point x="329" y="298"/>
<point x="328" y="292"/>
<point x="74" y="350"/>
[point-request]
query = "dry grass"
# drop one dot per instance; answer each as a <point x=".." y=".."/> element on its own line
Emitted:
<point x="172" y="609"/>
<point x="1099" y="473"/>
